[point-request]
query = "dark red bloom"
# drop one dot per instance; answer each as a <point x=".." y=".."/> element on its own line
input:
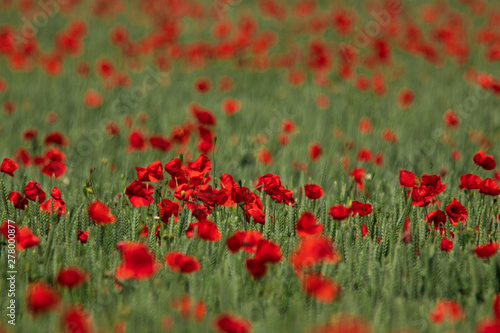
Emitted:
<point x="407" y="178"/>
<point x="229" y="323"/>
<point x="359" y="177"/>
<point x="470" y="182"/>
<point x="430" y="186"/>
<point x="136" y="141"/>
<point x="339" y="212"/>
<point x="18" y="200"/>
<point x="56" y="138"/>
<point x="41" y="298"/>
<point x="245" y="240"/>
<point x="360" y="208"/>
<point x="314" y="250"/>
<point x="54" y="169"/>
<point x="271" y="184"/>
<point x="56" y="202"/>
<point x="71" y="277"/>
<point x="456" y="212"/>
<point x="206" y="230"/>
<point x="138" y="262"/>
<point x="8" y="166"/>
<point x="306" y="225"/>
<point x="33" y="190"/>
<point x="139" y="194"/>
<point x="313" y="191"/>
<point x="83" y="236"/>
<point x="315" y="151"/>
<point x="76" y="319"/>
<point x="446" y="245"/>
<point x="489" y="187"/>
<point x="100" y="213"/>
<point x="160" y="142"/>
<point x="485" y="161"/>
<point x="486" y="251"/>
<point x="168" y="209"/>
<point x="437" y="217"/>
<point x="182" y="263"/>
<point x="153" y="173"/>
<point x="451" y="119"/>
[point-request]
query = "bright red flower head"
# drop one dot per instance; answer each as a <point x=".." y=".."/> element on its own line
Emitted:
<point x="447" y="310"/>
<point x="446" y="245"/>
<point x="456" y="212"/>
<point x="339" y="212"/>
<point x="360" y="208"/>
<point x="315" y="151"/>
<point x="71" y="277"/>
<point x="139" y="194"/>
<point x="100" y="213"/>
<point x="430" y="186"/>
<point x="313" y="191"/>
<point x="206" y="230"/>
<point x="470" y="182"/>
<point x="451" y="119"/>
<point x="41" y="298"/>
<point x="153" y="173"/>
<point x="83" y="236"/>
<point x="182" y="263"/>
<point x="138" y="262"/>
<point x="8" y="166"/>
<point x="314" y="250"/>
<point x="33" y="191"/>
<point x="229" y="323"/>
<point x="245" y="240"/>
<point x="489" y="187"/>
<point x="76" y="319"/>
<point x="168" y="209"/>
<point x="484" y="161"/>
<point x="321" y="288"/>
<point x="437" y="217"/>
<point x="407" y="178"/>
<point x="486" y="250"/>
<point x="307" y="226"/>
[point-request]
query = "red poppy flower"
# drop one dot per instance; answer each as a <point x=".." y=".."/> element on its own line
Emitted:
<point x="229" y="323"/>
<point x="437" y="217"/>
<point x="359" y="176"/>
<point x="486" y="251"/>
<point x="168" y="209"/>
<point x="71" y="277"/>
<point x="489" y="187"/>
<point x="153" y="173"/>
<point x="33" y="190"/>
<point x="256" y="268"/>
<point x="245" y="240"/>
<point x="314" y="250"/>
<point x="41" y="298"/>
<point x="231" y="106"/>
<point x="182" y="263"/>
<point x="202" y="85"/>
<point x="18" y="200"/>
<point x="56" y="202"/>
<point x="405" y="98"/>
<point x="430" y="186"/>
<point x="288" y="126"/>
<point x="138" y="262"/>
<point x="8" y="166"/>
<point x="136" y="141"/>
<point x="456" y="212"/>
<point x="485" y="161"/>
<point x="339" y="212"/>
<point x="321" y="288"/>
<point x="183" y="192"/>
<point x="360" y="208"/>
<point x="268" y="252"/>
<point x="25" y="239"/>
<point x="206" y="230"/>
<point x="203" y="116"/>
<point x="100" y="213"/>
<point x="407" y="178"/>
<point x="92" y="99"/>
<point x="184" y="304"/>
<point x="264" y="156"/>
<point x="315" y="151"/>
<point x="56" y="138"/>
<point x="271" y="184"/>
<point x="470" y="182"/>
<point x="313" y="191"/>
<point x="306" y="225"/>
<point x="139" y="194"/>
<point x="54" y="169"/>
<point x="76" y="319"/>
<point x="446" y="245"/>
<point x="160" y="142"/>
<point x="451" y="119"/>
<point x="447" y="310"/>
<point x="83" y="236"/>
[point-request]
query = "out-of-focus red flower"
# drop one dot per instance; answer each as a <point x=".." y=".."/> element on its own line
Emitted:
<point x="160" y="142"/>
<point x="306" y="225"/>
<point x="182" y="263"/>
<point x="206" y="230"/>
<point x="168" y="209"/>
<point x="231" y="106"/>
<point x="203" y="116"/>
<point x="447" y="310"/>
<point x="138" y="262"/>
<point x="315" y="151"/>
<point x="314" y="250"/>
<point x="407" y="178"/>
<point x="389" y="136"/>
<point x="83" y="236"/>
<point x="486" y="250"/>
<point x="456" y="212"/>
<point x="100" y="213"/>
<point x="360" y="208"/>
<point x="229" y="323"/>
<point x="76" y="319"/>
<point x="451" y="119"/>
<point x="364" y="155"/>
<point x="33" y="190"/>
<point x="8" y="166"/>
<point x="71" y="277"/>
<point x="41" y="298"/>
<point x="347" y="323"/>
<point x="485" y="161"/>
<point x="56" y="138"/>
<point x="359" y="176"/>
<point x="405" y="98"/>
<point x="139" y="194"/>
<point x="430" y="186"/>
<point x="339" y="212"/>
<point x="446" y="245"/>
<point x="321" y="288"/>
<point x="18" y="200"/>
<point x="246" y="240"/>
<point x="313" y="191"/>
<point x="92" y="99"/>
<point x="202" y="85"/>
<point x="136" y="141"/>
